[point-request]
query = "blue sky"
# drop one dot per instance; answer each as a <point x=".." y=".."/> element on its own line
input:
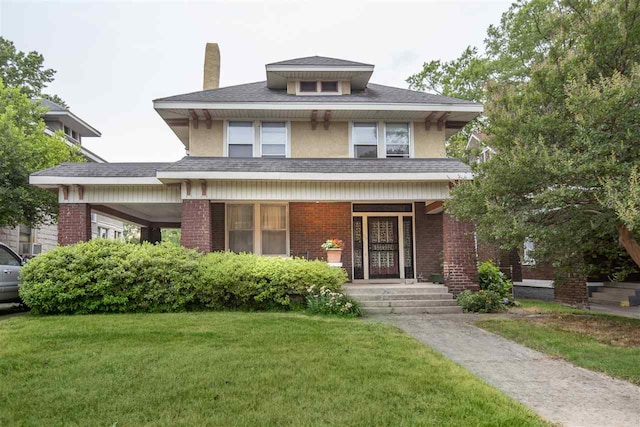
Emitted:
<point x="114" y="58"/>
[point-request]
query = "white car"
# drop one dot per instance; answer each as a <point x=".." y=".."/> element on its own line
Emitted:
<point x="10" y="264"/>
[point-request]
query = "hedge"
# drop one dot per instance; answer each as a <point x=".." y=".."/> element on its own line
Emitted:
<point x="105" y="276"/>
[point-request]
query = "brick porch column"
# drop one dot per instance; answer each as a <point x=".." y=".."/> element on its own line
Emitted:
<point x="460" y="263"/>
<point x="74" y="223"/>
<point x="196" y="225"/>
<point x="571" y="289"/>
<point x="516" y="266"/>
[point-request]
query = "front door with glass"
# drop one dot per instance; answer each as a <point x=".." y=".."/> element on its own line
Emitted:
<point x="384" y="262"/>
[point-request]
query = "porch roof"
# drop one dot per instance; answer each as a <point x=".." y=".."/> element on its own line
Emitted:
<point x="224" y="168"/>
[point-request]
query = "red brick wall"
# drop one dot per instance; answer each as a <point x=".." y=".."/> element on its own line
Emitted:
<point x="429" y="244"/>
<point x="571" y="289"/>
<point x="310" y="224"/>
<point x="74" y="223"/>
<point x="460" y="263"/>
<point x="196" y="225"/>
<point x="488" y="252"/>
<point x="538" y="272"/>
<point x="217" y="226"/>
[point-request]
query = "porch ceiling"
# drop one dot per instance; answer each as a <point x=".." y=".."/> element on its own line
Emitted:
<point x="142" y="213"/>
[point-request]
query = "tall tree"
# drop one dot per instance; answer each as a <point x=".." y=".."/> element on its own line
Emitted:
<point x="563" y="115"/>
<point x="25" y="71"/>
<point x="25" y="148"/>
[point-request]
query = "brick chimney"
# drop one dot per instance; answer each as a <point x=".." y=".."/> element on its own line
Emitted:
<point x="211" y="67"/>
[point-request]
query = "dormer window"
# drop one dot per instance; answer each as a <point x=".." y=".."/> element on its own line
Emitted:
<point x="309" y="86"/>
<point x="319" y="87"/>
<point x="329" y="86"/>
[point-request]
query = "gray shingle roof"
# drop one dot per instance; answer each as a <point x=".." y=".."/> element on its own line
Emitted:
<point x="135" y="170"/>
<point x="321" y="60"/>
<point x="372" y="166"/>
<point x="258" y="92"/>
<point x="225" y="164"/>
<point x="50" y="105"/>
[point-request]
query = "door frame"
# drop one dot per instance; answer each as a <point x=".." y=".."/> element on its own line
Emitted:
<point x="365" y="240"/>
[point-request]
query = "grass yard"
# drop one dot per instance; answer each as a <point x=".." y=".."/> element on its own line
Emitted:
<point x="227" y="369"/>
<point x="596" y="341"/>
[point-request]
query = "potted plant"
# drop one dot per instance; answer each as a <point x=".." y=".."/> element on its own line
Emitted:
<point x="334" y="250"/>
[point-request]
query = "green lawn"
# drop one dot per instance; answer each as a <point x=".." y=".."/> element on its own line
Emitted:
<point x="596" y="341"/>
<point x="227" y="369"/>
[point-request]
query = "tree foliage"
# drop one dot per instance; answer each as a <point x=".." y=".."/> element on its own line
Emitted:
<point x="562" y="95"/>
<point x="25" y="148"/>
<point x="25" y="71"/>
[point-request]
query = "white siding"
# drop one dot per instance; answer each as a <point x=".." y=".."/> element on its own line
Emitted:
<point x="316" y="191"/>
<point x="124" y="194"/>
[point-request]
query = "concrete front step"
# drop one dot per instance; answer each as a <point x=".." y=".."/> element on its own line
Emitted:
<point x="410" y="303"/>
<point x="413" y="310"/>
<point x="621" y="285"/>
<point x="391" y="297"/>
<point x="396" y="291"/>
<point x="608" y="300"/>
<point x="616" y="292"/>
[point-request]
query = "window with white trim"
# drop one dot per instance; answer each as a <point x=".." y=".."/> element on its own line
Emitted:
<point x="240" y="139"/>
<point x="397" y="139"/>
<point x="273" y="137"/>
<point x="240" y="225"/>
<point x="365" y="140"/>
<point x="273" y="226"/>
<point x="528" y="247"/>
<point x="258" y="228"/>
<point x="309" y="86"/>
<point x="329" y="87"/>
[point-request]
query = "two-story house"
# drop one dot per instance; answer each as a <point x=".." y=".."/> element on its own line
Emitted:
<point x="28" y="241"/>
<point x="276" y="167"/>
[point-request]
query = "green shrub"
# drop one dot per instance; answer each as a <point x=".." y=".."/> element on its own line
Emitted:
<point x="102" y="276"/>
<point x="492" y="279"/>
<point x="322" y="300"/>
<point x="251" y="281"/>
<point x="480" y="302"/>
<point x="494" y="294"/>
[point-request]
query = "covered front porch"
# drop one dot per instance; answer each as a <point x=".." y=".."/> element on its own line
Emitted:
<point x="385" y="243"/>
<point x="392" y="221"/>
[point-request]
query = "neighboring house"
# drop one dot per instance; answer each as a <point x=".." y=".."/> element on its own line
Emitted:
<point x="277" y="167"/>
<point x="536" y="280"/>
<point x="28" y="241"/>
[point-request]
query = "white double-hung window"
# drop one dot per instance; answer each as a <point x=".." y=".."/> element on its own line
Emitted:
<point x="397" y="139"/>
<point x="273" y="137"/>
<point x="240" y="227"/>
<point x="273" y="226"/>
<point x="258" y="228"/>
<point x="240" y="137"/>
<point x="365" y="140"/>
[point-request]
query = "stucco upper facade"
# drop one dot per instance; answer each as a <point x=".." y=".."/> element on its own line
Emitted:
<point x="305" y="142"/>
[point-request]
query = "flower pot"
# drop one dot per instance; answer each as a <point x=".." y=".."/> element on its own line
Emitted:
<point x="334" y="255"/>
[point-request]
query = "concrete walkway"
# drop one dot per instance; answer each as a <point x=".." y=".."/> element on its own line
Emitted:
<point x="633" y="312"/>
<point x="555" y="389"/>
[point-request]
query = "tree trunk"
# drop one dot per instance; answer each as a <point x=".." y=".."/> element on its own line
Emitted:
<point x="631" y="245"/>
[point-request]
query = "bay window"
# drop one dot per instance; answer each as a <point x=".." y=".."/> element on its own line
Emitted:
<point x="397" y="139"/>
<point x="365" y="140"/>
<point x="273" y="137"/>
<point x="240" y="139"/>
<point x="257" y="228"/>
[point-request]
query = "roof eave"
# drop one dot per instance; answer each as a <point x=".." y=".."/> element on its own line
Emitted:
<point x="316" y="105"/>
<point x="89" y="131"/>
